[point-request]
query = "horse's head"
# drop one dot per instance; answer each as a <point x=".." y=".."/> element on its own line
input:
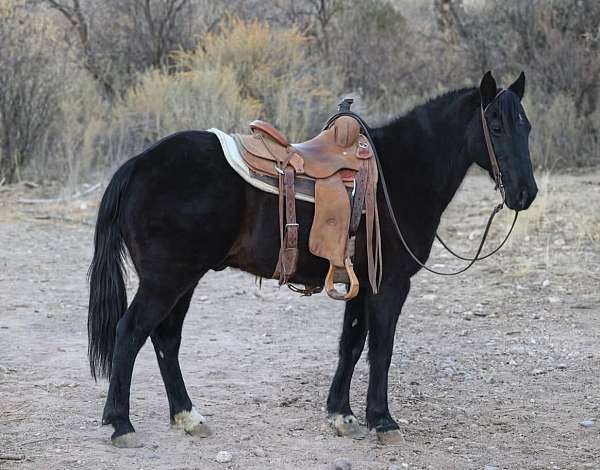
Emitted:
<point x="508" y="130"/>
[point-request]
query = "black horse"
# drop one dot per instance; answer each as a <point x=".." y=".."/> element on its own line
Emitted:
<point x="180" y="211"/>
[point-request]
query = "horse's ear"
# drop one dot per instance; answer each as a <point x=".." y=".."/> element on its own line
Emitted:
<point x="518" y="87"/>
<point x="487" y="89"/>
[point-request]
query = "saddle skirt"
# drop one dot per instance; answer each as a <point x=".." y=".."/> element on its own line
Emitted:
<point x="337" y="172"/>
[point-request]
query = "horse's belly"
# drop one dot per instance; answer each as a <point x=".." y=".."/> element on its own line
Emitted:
<point x="256" y="248"/>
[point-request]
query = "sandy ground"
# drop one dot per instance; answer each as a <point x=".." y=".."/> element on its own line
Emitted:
<point x="496" y="367"/>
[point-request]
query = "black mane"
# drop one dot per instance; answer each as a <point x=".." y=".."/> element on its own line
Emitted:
<point x="429" y="141"/>
<point x="436" y="104"/>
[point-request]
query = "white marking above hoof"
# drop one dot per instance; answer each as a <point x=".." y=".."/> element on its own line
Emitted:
<point x="192" y="422"/>
<point x="127" y="441"/>
<point x="390" y="438"/>
<point x="348" y="426"/>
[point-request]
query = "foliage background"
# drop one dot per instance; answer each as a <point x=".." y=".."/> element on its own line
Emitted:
<point x="85" y="84"/>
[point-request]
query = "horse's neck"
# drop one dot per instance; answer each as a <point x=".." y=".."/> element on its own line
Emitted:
<point x="424" y="161"/>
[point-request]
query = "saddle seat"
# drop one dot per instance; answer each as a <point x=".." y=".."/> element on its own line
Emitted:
<point x="334" y="149"/>
<point x="338" y="163"/>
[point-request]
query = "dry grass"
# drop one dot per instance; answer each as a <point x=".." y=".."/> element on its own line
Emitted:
<point x="561" y="225"/>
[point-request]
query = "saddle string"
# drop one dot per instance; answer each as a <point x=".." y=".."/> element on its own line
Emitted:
<point x="497" y="178"/>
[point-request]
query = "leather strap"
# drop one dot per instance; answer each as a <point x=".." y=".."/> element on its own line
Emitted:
<point x="492" y="154"/>
<point x="374" y="253"/>
<point x="360" y="190"/>
<point x="288" y="227"/>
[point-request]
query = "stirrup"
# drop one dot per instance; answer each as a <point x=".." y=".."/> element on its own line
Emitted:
<point x="352" y="288"/>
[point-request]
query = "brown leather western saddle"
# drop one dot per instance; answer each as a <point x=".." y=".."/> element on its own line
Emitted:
<point x="337" y="168"/>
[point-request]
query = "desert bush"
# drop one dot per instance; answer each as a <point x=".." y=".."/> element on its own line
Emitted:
<point x="561" y="137"/>
<point x="271" y="66"/>
<point x="79" y="131"/>
<point x="162" y="103"/>
<point x="31" y="84"/>
<point x="244" y="72"/>
<point x="117" y="39"/>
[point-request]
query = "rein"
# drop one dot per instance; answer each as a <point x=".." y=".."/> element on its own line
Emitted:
<point x="344" y="110"/>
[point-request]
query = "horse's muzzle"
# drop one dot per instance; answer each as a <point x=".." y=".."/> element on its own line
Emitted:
<point x="523" y="197"/>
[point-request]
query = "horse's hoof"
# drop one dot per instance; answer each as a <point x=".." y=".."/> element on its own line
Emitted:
<point x="199" y="430"/>
<point x="389" y="438"/>
<point x="348" y="426"/>
<point x="127" y="441"/>
<point x="193" y="423"/>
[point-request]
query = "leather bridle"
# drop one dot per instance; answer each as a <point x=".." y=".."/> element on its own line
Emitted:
<point x="496" y="174"/>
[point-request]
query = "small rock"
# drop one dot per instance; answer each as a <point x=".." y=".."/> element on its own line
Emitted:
<point x="430" y="297"/>
<point x="554" y="300"/>
<point x="474" y="234"/>
<point x="223" y="457"/>
<point x="538" y="372"/>
<point x="393" y="467"/>
<point x="342" y="464"/>
<point x="490" y="467"/>
<point x="588" y="423"/>
<point x="546" y="283"/>
<point x="259" y="452"/>
<point x="561" y="366"/>
<point x="203" y="298"/>
<point x="449" y="371"/>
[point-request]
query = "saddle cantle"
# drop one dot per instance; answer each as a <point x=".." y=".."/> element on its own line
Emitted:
<point x="337" y="168"/>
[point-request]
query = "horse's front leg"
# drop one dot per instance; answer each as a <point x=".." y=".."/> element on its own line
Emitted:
<point x="383" y="311"/>
<point x="352" y="343"/>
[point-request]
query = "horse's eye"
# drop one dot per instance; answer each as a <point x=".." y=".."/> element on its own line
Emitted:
<point x="496" y="127"/>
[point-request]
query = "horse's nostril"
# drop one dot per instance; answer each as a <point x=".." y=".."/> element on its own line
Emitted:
<point x="523" y="197"/>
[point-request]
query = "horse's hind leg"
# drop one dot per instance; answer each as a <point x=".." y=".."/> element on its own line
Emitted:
<point x="166" y="339"/>
<point x="151" y="304"/>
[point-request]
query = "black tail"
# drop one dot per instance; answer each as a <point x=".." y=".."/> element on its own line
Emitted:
<point x="108" y="298"/>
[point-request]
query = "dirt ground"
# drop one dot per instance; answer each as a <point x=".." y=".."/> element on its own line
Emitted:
<point x="498" y="367"/>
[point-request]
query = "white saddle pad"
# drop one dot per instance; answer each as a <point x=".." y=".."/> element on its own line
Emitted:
<point x="235" y="160"/>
